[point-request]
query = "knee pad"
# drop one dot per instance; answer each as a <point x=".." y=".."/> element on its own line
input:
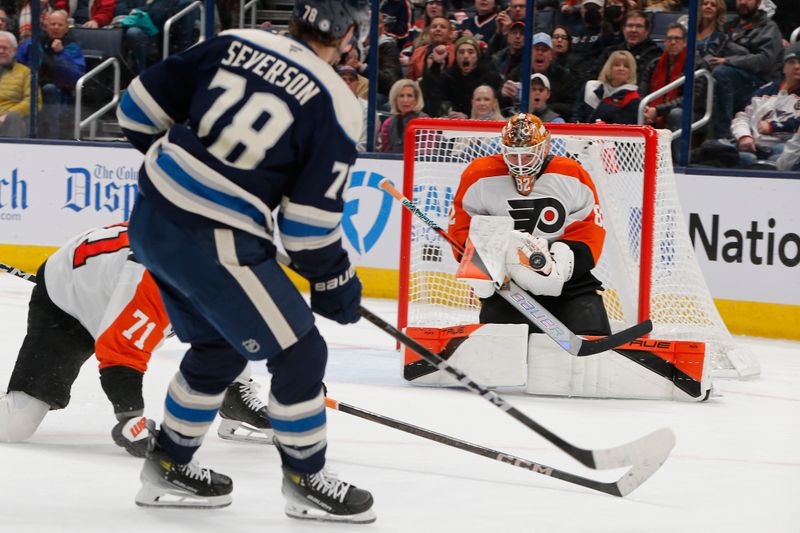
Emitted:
<point x="20" y="415"/>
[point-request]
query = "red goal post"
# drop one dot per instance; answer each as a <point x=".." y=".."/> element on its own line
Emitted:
<point x="648" y="266"/>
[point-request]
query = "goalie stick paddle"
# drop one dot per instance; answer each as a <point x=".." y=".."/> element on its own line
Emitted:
<point x="17" y="272"/>
<point x="645" y="454"/>
<point x="626" y="484"/>
<point x="529" y="307"/>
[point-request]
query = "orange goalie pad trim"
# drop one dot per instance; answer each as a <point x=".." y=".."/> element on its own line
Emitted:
<point x="687" y="356"/>
<point x="435" y="339"/>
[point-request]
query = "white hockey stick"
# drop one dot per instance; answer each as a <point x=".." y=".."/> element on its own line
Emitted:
<point x="17" y="272"/>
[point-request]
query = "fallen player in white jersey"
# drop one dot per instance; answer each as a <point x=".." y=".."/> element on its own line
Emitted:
<point x="91" y="296"/>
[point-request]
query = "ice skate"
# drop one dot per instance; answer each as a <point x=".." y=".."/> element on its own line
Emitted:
<point x="168" y="484"/>
<point x="243" y="415"/>
<point x="322" y="496"/>
<point x="131" y="435"/>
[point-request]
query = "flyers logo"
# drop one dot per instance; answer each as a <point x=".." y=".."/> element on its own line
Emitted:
<point x="547" y="214"/>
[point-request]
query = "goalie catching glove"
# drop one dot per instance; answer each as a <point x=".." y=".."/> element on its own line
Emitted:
<point x="548" y="280"/>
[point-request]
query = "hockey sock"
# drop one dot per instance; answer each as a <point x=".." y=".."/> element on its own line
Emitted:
<point x="300" y="433"/>
<point x="187" y="416"/>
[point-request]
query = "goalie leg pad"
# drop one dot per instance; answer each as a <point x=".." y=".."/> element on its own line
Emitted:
<point x="491" y="354"/>
<point x="611" y="375"/>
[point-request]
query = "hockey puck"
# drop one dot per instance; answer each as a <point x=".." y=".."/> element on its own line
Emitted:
<point x="537" y="260"/>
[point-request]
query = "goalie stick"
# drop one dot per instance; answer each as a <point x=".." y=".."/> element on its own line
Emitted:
<point x="631" y="480"/>
<point x="14" y="271"/>
<point x="529" y="307"/>
<point x="645" y="454"/>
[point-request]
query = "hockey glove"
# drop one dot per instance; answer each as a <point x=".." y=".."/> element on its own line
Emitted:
<point x="337" y="298"/>
<point x="131" y="435"/>
<point x="550" y="279"/>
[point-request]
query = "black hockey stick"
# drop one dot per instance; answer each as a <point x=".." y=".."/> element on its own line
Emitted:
<point x="622" y="487"/>
<point x="14" y="271"/>
<point x="645" y="455"/>
<point x="529" y="307"/>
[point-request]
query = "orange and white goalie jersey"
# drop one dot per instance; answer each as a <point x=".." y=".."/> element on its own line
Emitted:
<point x="563" y="206"/>
<point x="92" y="279"/>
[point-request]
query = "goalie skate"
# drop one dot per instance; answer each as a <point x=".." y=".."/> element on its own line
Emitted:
<point x="322" y="496"/>
<point x="168" y="484"/>
<point x="243" y="415"/>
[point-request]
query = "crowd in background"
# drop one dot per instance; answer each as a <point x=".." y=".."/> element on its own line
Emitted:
<point x="591" y="60"/>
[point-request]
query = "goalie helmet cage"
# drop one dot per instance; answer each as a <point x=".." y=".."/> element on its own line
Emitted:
<point x="648" y="267"/>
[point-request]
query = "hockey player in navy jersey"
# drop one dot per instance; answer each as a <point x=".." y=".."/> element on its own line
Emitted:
<point x="234" y="128"/>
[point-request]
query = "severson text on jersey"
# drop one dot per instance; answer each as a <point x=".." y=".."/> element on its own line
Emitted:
<point x="269" y="68"/>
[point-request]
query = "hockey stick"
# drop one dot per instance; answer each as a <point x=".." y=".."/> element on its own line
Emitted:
<point x="14" y="271"/>
<point x="528" y="306"/>
<point x="622" y="487"/>
<point x="645" y="454"/>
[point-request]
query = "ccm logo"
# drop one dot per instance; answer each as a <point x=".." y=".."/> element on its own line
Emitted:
<point x="336" y="282"/>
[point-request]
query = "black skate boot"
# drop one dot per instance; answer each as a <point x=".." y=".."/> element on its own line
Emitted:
<point x="243" y="414"/>
<point x="322" y="496"/>
<point x="131" y="435"/>
<point x="168" y="484"/>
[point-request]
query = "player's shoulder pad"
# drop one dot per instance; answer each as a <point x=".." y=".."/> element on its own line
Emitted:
<point x="345" y="104"/>
<point x="490" y="165"/>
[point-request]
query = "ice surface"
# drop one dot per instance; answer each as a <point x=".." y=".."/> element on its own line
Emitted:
<point x="735" y="468"/>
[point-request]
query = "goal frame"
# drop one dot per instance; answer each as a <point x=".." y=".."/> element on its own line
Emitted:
<point x="646" y="133"/>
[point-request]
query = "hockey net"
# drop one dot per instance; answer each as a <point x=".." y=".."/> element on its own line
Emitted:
<point x="648" y="267"/>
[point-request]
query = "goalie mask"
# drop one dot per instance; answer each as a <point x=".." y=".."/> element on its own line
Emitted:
<point x="525" y="145"/>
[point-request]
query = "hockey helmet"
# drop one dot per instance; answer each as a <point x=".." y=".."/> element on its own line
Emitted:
<point x="331" y="17"/>
<point x="525" y="144"/>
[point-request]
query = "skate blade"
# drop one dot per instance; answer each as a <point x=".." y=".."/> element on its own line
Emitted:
<point x="304" y="512"/>
<point x="241" y="432"/>
<point x="153" y="496"/>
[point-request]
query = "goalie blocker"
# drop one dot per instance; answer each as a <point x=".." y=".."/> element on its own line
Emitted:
<point x="504" y="355"/>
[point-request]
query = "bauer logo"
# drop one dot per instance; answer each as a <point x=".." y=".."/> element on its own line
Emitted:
<point x="13" y="197"/>
<point x="366" y="212"/>
<point x="106" y="189"/>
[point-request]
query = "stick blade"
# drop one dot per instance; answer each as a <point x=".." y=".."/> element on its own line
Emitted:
<point x="603" y="344"/>
<point x="646" y="455"/>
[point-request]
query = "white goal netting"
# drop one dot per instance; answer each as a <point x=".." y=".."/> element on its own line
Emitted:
<point x="638" y="196"/>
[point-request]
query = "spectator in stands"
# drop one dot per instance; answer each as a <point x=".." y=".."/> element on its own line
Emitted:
<point x="25" y="17"/>
<point x="636" y="31"/>
<point x="419" y="30"/>
<point x="350" y="77"/>
<point x="743" y="61"/>
<point x="485" y="105"/>
<point x="15" y="89"/>
<point x="570" y="15"/>
<point x="505" y="19"/>
<point x="451" y="92"/>
<point x="439" y="50"/>
<point x="614" y="12"/>
<point x="62" y="63"/>
<point x="510" y="57"/>
<point x="772" y="117"/>
<point x="146" y="48"/>
<point x="538" y="98"/>
<point x="563" y="83"/>
<point x="481" y="26"/>
<point x="710" y="20"/>
<point x="588" y="41"/>
<point x="613" y="97"/>
<point x="789" y="160"/>
<point x="353" y="58"/>
<point x="562" y="46"/>
<point x="89" y="13"/>
<point x="397" y="17"/>
<point x="4" y="21"/>
<point x="407" y="103"/>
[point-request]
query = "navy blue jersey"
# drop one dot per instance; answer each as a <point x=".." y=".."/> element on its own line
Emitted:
<point x="242" y="124"/>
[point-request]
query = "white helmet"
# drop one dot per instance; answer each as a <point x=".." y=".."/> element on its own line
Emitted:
<point x="525" y="145"/>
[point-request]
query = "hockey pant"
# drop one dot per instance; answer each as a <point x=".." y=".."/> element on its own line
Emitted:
<point x="583" y="314"/>
<point x="227" y="296"/>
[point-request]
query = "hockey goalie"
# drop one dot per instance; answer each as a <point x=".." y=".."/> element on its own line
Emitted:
<point x="535" y="218"/>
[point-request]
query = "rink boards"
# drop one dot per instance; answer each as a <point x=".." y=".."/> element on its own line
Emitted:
<point x="745" y="229"/>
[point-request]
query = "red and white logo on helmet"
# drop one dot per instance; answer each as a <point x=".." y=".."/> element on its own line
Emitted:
<point x="525" y="145"/>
